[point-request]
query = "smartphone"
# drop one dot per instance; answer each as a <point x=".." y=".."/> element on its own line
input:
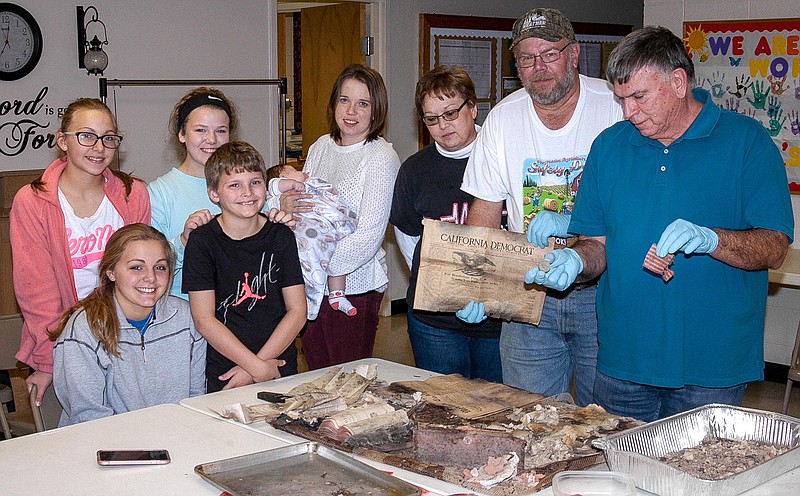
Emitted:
<point x="132" y="457"/>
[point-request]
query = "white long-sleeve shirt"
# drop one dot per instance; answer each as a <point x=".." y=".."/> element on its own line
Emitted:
<point x="364" y="173"/>
<point x="407" y="245"/>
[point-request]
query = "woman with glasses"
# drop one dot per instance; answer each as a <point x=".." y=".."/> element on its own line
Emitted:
<point x="60" y="224"/>
<point x="429" y="186"/>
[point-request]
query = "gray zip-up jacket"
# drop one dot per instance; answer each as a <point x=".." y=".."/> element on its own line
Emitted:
<point x="165" y="365"/>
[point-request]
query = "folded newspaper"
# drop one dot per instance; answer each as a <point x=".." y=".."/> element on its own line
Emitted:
<point x="459" y="263"/>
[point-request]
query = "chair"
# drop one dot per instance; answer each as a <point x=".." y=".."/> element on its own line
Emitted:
<point x="6" y="396"/>
<point x="10" y="331"/>
<point x="38" y="421"/>
<point x="794" y="372"/>
<point x="47" y="415"/>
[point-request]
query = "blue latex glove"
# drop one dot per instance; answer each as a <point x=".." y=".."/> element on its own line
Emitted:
<point x="473" y="313"/>
<point x="565" y="265"/>
<point x="684" y="236"/>
<point x="547" y="223"/>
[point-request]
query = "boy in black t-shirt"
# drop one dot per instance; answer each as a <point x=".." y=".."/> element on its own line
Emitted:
<point x="243" y="276"/>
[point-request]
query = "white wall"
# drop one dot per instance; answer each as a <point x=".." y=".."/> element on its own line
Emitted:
<point x="402" y="71"/>
<point x="151" y="39"/>
<point x="783" y="311"/>
<point x="177" y="39"/>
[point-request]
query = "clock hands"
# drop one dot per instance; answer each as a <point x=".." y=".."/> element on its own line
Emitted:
<point x="5" y="31"/>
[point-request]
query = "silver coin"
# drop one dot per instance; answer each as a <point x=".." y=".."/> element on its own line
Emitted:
<point x="544" y="266"/>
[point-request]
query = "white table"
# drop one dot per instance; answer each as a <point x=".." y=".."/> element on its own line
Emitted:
<point x="785" y="485"/>
<point x="789" y="272"/>
<point x="63" y="461"/>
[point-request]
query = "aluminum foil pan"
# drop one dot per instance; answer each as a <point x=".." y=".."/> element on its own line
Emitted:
<point x="636" y="451"/>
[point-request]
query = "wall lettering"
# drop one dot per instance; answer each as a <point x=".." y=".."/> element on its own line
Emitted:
<point x="24" y="124"/>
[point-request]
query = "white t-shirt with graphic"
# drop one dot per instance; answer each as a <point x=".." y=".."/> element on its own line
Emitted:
<point x="518" y="159"/>
<point x="86" y="239"/>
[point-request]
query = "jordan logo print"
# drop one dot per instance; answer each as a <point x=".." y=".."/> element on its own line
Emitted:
<point x="246" y="292"/>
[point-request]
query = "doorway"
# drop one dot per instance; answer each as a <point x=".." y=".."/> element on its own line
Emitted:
<point x="316" y="40"/>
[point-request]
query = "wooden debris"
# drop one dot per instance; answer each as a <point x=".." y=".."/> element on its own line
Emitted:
<point x="715" y="459"/>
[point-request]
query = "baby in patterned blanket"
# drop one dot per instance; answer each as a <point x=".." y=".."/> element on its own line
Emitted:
<point x="316" y="233"/>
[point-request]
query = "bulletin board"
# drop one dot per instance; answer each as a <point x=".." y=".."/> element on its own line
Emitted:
<point x="477" y="55"/>
<point x="481" y="46"/>
<point x="753" y="67"/>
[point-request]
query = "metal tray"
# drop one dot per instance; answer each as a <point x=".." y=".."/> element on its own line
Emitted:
<point x="636" y="450"/>
<point x="309" y="469"/>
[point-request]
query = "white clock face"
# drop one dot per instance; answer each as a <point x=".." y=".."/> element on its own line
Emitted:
<point x="19" y="44"/>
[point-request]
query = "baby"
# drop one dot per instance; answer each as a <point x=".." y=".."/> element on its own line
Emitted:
<point x="316" y="233"/>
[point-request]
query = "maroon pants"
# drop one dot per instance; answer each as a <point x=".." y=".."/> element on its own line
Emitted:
<point x="334" y="338"/>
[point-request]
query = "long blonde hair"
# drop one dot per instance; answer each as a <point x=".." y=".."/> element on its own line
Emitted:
<point x="99" y="305"/>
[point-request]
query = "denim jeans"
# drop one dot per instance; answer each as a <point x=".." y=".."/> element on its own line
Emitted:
<point x="450" y="352"/>
<point x="543" y="358"/>
<point x="648" y="403"/>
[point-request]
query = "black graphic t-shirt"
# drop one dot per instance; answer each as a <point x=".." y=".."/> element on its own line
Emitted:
<point x="247" y="276"/>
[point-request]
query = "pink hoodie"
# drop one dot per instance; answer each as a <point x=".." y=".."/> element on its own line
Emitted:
<point x="43" y="280"/>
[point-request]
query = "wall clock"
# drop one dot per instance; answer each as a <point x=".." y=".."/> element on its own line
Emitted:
<point x="21" y="41"/>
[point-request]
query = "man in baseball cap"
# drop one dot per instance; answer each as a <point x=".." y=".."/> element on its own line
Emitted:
<point x="530" y="153"/>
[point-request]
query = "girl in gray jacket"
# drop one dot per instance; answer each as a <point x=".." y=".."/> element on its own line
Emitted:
<point x="129" y="344"/>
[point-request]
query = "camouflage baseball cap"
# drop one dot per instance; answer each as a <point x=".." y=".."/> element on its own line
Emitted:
<point x="547" y="24"/>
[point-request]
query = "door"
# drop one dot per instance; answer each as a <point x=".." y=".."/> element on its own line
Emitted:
<point x="330" y="39"/>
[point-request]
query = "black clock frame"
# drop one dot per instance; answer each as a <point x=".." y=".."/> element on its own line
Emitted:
<point x="36" y="31"/>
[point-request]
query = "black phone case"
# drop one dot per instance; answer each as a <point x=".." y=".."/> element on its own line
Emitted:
<point x="272" y="397"/>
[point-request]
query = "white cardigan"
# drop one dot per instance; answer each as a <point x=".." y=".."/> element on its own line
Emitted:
<point x="364" y="173"/>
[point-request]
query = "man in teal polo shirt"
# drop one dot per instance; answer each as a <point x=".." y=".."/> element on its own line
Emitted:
<point x="705" y="184"/>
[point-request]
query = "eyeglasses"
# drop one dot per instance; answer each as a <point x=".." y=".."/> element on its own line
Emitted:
<point x="87" y="139"/>
<point x="450" y="115"/>
<point x="548" y="57"/>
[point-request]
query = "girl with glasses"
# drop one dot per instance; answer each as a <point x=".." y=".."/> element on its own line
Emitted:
<point x="60" y="224"/>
